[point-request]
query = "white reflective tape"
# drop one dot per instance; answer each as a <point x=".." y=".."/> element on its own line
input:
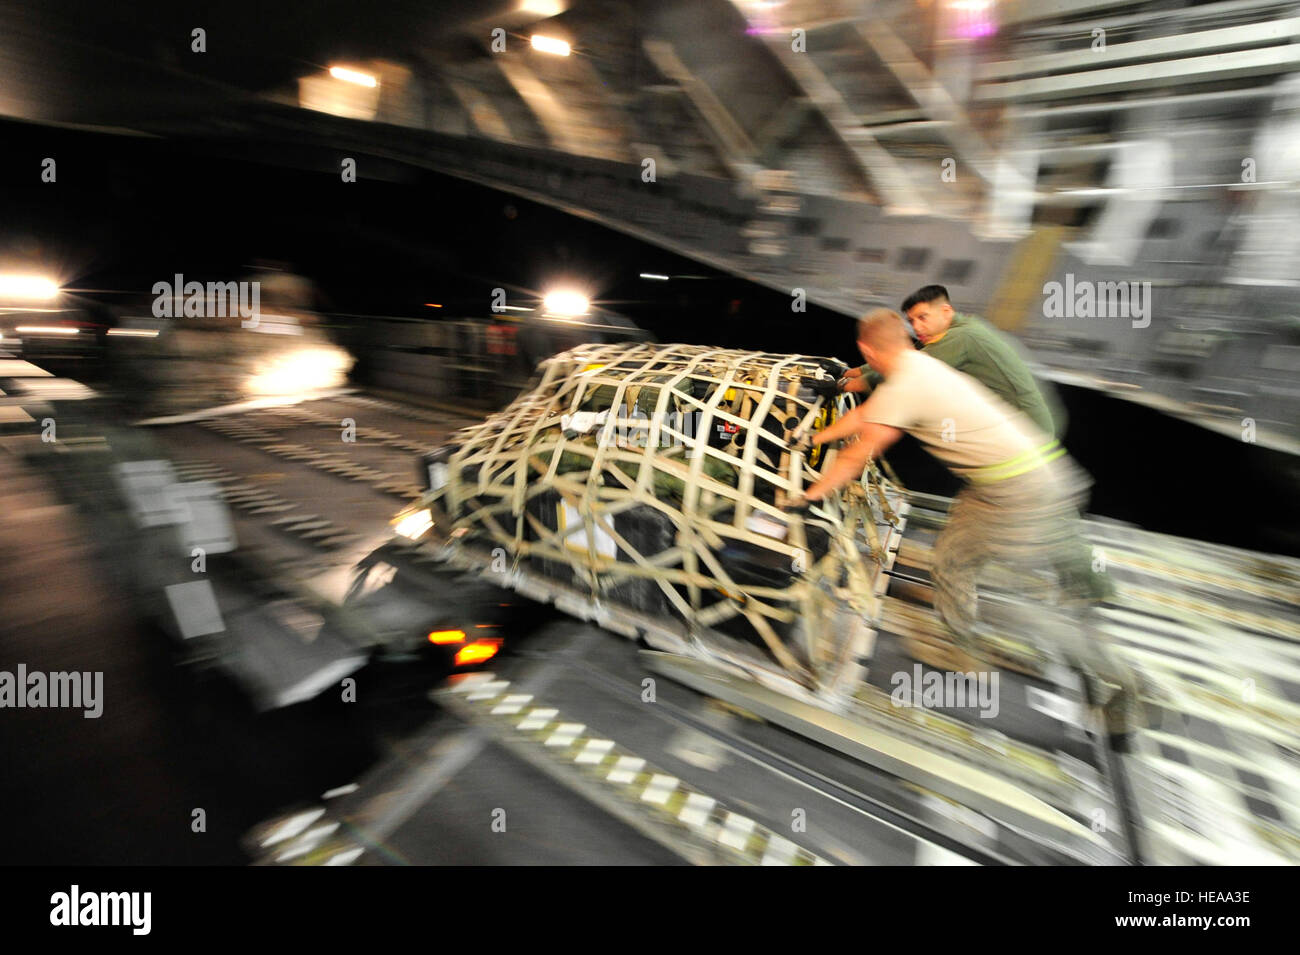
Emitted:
<point x="294" y="851"/>
<point x="538" y="718"/>
<point x="626" y="770"/>
<point x="344" y="858"/>
<point x="512" y="704"/>
<point x="471" y="681"/>
<point x="317" y="833"/>
<point x="736" y="831"/>
<point x="488" y="691"/>
<point x="306" y="842"/>
<point x="595" y="751"/>
<point x="565" y="734"/>
<point x="292" y="826"/>
<point x="780" y="851"/>
<point x="696" y="811"/>
<point x="659" y="789"/>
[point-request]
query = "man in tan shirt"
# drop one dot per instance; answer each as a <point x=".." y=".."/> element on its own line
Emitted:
<point x="1019" y="507"/>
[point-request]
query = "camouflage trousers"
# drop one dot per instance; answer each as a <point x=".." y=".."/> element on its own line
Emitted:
<point x="1025" y="524"/>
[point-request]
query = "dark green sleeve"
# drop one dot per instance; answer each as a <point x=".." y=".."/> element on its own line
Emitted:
<point x="873" y="378"/>
<point x="952" y="350"/>
<point x="1022" y="390"/>
<point x="1055" y="406"/>
<point x="984" y="353"/>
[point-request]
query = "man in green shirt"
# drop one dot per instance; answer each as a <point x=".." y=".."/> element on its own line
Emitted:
<point x="973" y="346"/>
<point x="1019" y="507"/>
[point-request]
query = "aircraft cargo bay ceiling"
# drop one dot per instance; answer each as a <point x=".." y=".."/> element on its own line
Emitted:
<point x="1116" y="183"/>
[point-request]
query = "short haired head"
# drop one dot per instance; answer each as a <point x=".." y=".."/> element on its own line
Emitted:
<point x="925" y="295"/>
<point x="881" y="335"/>
<point x="883" y="329"/>
<point x="929" y="312"/>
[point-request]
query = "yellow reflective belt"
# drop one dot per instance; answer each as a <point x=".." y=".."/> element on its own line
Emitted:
<point x="1020" y="464"/>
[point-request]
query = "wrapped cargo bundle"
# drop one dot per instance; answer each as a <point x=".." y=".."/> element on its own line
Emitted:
<point x="651" y="479"/>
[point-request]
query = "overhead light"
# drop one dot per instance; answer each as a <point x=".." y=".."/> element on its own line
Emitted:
<point x="652" y="275"/>
<point x="514" y="308"/>
<point x="432" y="305"/>
<point x="135" y="332"/>
<point x="415" y="524"/>
<point x="549" y="44"/>
<point x="46" y="330"/>
<point x="972" y="19"/>
<point x="353" y="76"/>
<point x="566" y="303"/>
<point x="542" y="8"/>
<point x="28" y="287"/>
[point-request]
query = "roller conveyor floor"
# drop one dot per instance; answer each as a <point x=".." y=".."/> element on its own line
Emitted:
<point x="1214" y="632"/>
<point x="1210" y="779"/>
<point x="299" y="492"/>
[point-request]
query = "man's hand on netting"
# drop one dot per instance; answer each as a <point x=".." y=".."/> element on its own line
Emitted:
<point x="802" y="444"/>
<point x="797" y="504"/>
<point x="824" y="387"/>
<point x="833" y="367"/>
